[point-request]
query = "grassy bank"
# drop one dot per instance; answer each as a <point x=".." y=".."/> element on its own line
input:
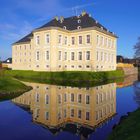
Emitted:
<point x="11" y="88"/>
<point x="128" y="129"/>
<point x="67" y="78"/>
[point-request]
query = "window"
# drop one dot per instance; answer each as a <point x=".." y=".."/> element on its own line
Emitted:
<point x="47" y="115"/>
<point x="87" y="99"/>
<point x="100" y="113"/>
<point x="88" y="39"/>
<point x="72" y="97"/>
<point x="88" y="55"/>
<point x="47" y="38"/>
<point x="79" y="114"/>
<point x="59" y="99"/>
<point x="97" y="39"/>
<point x="47" y="99"/>
<point x="101" y="56"/>
<point x="65" y="40"/>
<point x="109" y="43"/>
<point x="108" y="57"/>
<point x="105" y="57"/>
<point x="59" y="115"/>
<point x="97" y="99"/>
<point x="112" y="59"/>
<point x="64" y="27"/>
<point x="101" y="40"/>
<point x="65" y="113"/>
<point x="80" y="39"/>
<point x="87" y="66"/>
<point x="97" y="55"/>
<point x="37" y="55"/>
<point x="59" y="39"/>
<point x="79" y="98"/>
<point x="65" y="97"/>
<point x="65" y="66"/>
<point x="47" y="55"/>
<point x="72" y="112"/>
<point x="79" y="21"/>
<point x="37" y="112"/>
<point x="79" y="27"/>
<point x="47" y="66"/>
<point x="37" y="66"/>
<point x="105" y="41"/>
<point x="72" y="56"/>
<point x="96" y="115"/>
<point x="65" y="56"/>
<point x="80" y="56"/>
<point x="37" y="40"/>
<point x="73" y="40"/>
<point x="60" y="56"/>
<point x="37" y="97"/>
<point x="87" y="116"/>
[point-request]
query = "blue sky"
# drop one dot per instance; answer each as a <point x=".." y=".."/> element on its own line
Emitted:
<point x="19" y="17"/>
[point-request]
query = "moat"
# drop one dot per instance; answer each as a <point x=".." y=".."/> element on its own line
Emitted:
<point x="72" y="113"/>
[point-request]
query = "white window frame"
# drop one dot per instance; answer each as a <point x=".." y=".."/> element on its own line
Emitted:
<point x="86" y="98"/>
<point x="78" y="114"/>
<point x="79" y="40"/>
<point x="72" y="40"/>
<point x="65" y="56"/>
<point x="73" y="56"/>
<point x="86" y="115"/>
<point x="46" y="97"/>
<point x="60" y="38"/>
<point x="71" y="98"/>
<point x="47" y="37"/>
<point x="37" y="40"/>
<point x="37" y="55"/>
<point x="89" y="39"/>
<point x="79" y="55"/>
<point x="47" y="58"/>
<point x="86" y="56"/>
<point x="78" y="99"/>
<point x="60" y="55"/>
<point x="47" y="116"/>
<point x="66" y="40"/>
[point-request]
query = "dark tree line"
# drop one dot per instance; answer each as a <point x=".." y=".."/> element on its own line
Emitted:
<point x="137" y="49"/>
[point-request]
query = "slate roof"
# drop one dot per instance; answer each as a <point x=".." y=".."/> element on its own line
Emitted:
<point x="71" y="23"/>
<point x="8" y="61"/>
<point x="27" y="38"/>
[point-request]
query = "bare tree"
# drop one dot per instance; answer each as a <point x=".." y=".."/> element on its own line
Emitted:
<point x="137" y="49"/>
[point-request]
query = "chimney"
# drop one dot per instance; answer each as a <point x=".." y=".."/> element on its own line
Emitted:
<point x="83" y="13"/>
<point x="56" y="18"/>
<point x="61" y="19"/>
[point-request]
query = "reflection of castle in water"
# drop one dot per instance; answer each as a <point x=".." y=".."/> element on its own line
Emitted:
<point x="68" y="108"/>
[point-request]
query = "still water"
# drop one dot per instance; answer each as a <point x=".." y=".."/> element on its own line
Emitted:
<point x="50" y="112"/>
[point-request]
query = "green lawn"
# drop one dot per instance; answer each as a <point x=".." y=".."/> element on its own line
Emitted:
<point x="129" y="128"/>
<point x="10" y="88"/>
<point x="67" y="78"/>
